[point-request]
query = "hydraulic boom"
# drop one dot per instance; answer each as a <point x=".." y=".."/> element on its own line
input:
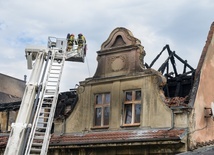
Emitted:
<point x="31" y="132"/>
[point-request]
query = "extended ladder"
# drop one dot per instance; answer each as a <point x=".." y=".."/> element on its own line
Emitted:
<point x="30" y="134"/>
<point x="41" y="127"/>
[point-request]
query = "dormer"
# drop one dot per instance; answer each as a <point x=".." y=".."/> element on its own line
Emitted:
<point x="120" y="55"/>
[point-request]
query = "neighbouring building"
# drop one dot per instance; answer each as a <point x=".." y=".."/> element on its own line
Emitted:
<point x="129" y="108"/>
<point x="11" y="92"/>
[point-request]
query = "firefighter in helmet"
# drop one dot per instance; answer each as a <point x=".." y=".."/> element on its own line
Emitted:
<point x="71" y="41"/>
<point x="81" y="40"/>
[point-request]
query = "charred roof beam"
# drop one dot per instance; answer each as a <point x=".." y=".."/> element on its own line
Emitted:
<point x="172" y="56"/>
<point x="165" y="64"/>
<point x="184" y="62"/>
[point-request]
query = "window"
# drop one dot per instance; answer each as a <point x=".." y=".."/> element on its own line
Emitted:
<point x="132" y="107"/>
<point x="102" y="110"/>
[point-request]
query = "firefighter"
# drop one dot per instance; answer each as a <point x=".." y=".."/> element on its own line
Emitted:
<point x="71" y="41"/>
<point x="81" y="40"/>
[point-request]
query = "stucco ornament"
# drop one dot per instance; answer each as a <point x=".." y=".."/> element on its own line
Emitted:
<point x="118" y="63"/>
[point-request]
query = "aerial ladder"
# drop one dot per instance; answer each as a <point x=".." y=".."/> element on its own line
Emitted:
<point x="31" y="132"/>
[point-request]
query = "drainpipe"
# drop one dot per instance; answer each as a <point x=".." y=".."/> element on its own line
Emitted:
<point x="7" y="123"/>
<point x="172" y="121"/>
<point x="63" y="126"/>
<point x="25" y="78"/>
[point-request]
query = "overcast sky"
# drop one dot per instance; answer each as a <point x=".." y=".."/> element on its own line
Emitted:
<point x="183" y="24"/>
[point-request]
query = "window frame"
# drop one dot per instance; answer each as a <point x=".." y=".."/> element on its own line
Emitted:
<point x="103" y="105"/>
<point x="133" y="102"/>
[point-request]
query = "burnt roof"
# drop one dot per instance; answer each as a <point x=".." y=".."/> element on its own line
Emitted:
<point x="7" y="98"/>
<point x="12" y="86"/>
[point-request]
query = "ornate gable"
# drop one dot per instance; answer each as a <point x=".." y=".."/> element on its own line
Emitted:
<point x="120" y="54"/>
<point x="120" y="37"/>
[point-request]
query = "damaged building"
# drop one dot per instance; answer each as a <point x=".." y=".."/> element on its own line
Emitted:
<point x="11" y="92"/>
<point x="128" y="107"/>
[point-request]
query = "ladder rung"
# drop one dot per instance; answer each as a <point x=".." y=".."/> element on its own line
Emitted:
<point x="50" y="90"/>
<point x="51" y="85"/>
<point x="49" y="93"/>
<point x="54" y="73"/>
<point x="53" y="76"/>
<point x="46" y="107"/>
<point x="37" y="144"/>
<point x="48" y="99"/>
<point x="44" y="102"/>
<point x="43" y="117"/>
<point x="39" y="137"/>
<point x="56" y="64"/>
<point x="56" y="69"/>
<point x="39" y="133"/>
<point x="41" y="128"/>
<point x="42" y="122"/>
<point x="52" y="80"/>
<point x="48" y="103"/>
<point x="35" y="150"/>
<point x="58" y="56"/>
<point x="44" y="112"/>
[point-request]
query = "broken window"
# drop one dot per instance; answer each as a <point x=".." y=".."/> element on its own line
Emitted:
<point x="132" y="107"/>
<point x="102" y="109"/>
<point x="7" y="117"/>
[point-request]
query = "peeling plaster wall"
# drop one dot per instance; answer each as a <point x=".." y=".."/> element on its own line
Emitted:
<point x="181" y="119"/>
<point x="202" y="128"/>
<point x="154" y="112"/>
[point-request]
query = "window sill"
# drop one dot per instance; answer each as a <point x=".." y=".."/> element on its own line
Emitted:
<point x="99" y="127"/>
<point x="129" y="125"/>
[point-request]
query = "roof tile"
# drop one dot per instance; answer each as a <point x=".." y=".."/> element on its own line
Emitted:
<point x="117" y="136"/>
